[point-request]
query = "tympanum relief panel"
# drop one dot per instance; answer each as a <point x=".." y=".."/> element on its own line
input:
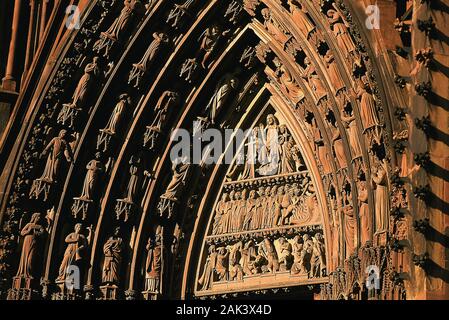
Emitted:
<point x="265" y="228"/>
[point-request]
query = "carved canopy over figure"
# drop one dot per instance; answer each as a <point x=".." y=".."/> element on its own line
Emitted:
<point x="74" y="253"/>
<point x="79" y="96"/>
<point x="225" y="88"/>
<point x="112" y="250"/>
<point x="154" y="262"/>
<point x="117" y="113"/>
<point x="32" y="231"/>
<point x="59" y="148"/>
<point x="94" y="168"/>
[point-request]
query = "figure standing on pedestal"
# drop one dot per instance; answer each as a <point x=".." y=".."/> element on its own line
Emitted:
<point x="32" y="231"/>
<point x="112" y="250"/>
<point x="74" y="253"/>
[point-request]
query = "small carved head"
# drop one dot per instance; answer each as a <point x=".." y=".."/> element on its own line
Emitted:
<point x="62" y="133"/>
<point x="78" y="227"/>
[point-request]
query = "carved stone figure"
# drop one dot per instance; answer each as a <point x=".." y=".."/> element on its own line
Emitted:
<point x="235" y="269"/>
<point x="221" y="215"/>
<point x="311" y="76"/>
<point x="339" y="148"/>
<point x="207" y="277"/>
<point x="274" y="27"/>
<point x="318" y="259"/>
<point x="297" y="248"/>
<point x="94" y="168"/>
<point x="59" y="147"/>
<point x="290" y="86"/>
<point x="180" y="170"/>
<point x="334" y="73"/>
<point x="120" y="23"/>
<point x="382" y="198"/>
<point x="154" y="262"/>
<point x="285" y="254"/>
<point x="112" y="250"/>
<point x="141" y="67"/>
<point x="165" y="103"/>
<point x="269" y="155"/>
<point x="133" y="183"/>
<point x="226" y="87"/>
<point x="248" y="258"/>
<point x="350" y="229"/>
<point x="368" y="112"/>
<point x="118" y="27"/>
<point x="351" y="125"/>
<point x="111" y="126"/>
<point x="341" y="32"/>
<point x="251" y="208"/>
<point x="90" y="72"/>
<point x="303" y="264"/>
<point x="257" y="221"/>
<point x="271" y="255"/>
<point x="249" y="172"/>
<point x="31" y="233"/>
<point x="74" y="253"/>
<point x="209" y="41"/>
<point x="365" y="219"/>
<point x="299" y="16"/>
<point x="221" y="267"/>
<point x="70" y="111"/>
<point x="288" y="163"/>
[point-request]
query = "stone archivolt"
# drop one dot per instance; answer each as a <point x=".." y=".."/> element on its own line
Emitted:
<point x="326" y="205"/>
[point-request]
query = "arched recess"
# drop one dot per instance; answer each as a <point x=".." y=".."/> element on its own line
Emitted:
<point x="321" y="80"/>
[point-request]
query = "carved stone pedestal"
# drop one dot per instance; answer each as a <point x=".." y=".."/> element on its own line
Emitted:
<point x="68" y="113"/>
<point x="150" y="295"/>
<point x="66" y="292"/>
<point x="124" y="209"/>
<point x="21" y="289"/>
<point x="80" y="207"/>
<point x="104" y="140"/>
<point x="176" y="14"/>
<point x="108" y="292"/>
<point x="188" y="70"/>
<point x="104" y="44"/>
<point x="150" y="137"/>
<point x="136" y="75"/>
<point x="166" y="206"/>
<point x="40" y="187"/>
